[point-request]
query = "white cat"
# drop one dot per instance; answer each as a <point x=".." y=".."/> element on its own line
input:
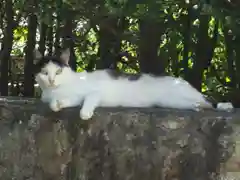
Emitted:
<point x="61" y="88"/>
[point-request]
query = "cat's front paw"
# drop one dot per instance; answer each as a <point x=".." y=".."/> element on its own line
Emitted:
<point x="86" y="115"/>
<point x="56" y="105"/>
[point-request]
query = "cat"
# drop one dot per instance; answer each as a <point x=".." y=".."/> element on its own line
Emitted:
<point x="62" y="87"/>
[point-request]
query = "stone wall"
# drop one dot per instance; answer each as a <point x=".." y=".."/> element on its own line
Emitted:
<point x="117" y="144"/>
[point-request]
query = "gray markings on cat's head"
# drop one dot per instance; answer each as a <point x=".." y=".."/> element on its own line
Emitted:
<point x="51" y="71"/>
<point x="41" y="61"/>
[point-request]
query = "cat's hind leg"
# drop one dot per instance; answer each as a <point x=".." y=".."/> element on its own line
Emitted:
<point x="200" y="106"/>
<point x="190" y="104"/>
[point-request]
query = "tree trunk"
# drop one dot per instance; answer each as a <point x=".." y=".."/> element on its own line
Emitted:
<point x="6" y="47"/>
<point x="50" y="40"/>
<point x="43" y="36"/>
<point x="204" y="52"/>
<point x="57" y="37"/>
<point x="236" y="51"/>
<point x="28" y="66"/>
<point x="68" y="41"/>
<point x="58" y="21"/>
<point x="150" y="39"/>
<point x="230" y="56"/>
<point x="187" y="41"/>
<point x="2" y="13"/>
<point x="109" y="41"/>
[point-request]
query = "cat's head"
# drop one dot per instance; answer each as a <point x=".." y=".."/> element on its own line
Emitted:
<point x="51" y="71"/>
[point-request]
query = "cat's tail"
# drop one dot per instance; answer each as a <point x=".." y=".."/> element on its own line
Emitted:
<point x="220" y="106"/>
<point x="225" y="106"/>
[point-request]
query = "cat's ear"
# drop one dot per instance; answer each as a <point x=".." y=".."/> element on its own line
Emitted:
<point x="65" y="56"/>
<point x="37" y="56"/>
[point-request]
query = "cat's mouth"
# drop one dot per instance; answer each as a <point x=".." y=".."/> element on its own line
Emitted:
<point x="53" y="86"/>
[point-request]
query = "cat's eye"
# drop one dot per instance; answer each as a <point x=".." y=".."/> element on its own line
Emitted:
<point x="59" y="71"/>
<point x="44" y="72"/>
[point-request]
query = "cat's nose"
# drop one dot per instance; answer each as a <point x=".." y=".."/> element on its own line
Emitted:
<point x="51" y="81"/>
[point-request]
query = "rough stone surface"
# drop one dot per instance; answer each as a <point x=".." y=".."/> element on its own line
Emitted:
<point x="117" y="144"/>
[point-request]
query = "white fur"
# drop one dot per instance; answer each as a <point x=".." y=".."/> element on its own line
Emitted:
<point x="51" y="69"/>
<point x="98" y="89"/>
<point x="225" y="106"/>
